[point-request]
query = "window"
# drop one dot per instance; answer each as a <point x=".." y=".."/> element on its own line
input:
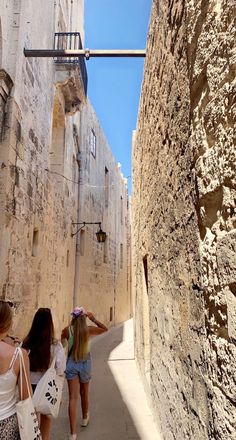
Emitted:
<point x="106" y="187"/>
<point x="76" y="137"/>
<point x="105" y="254"/>
<point x="5" y="89"/>
<point x="145" y="270"/>
<point x="74" y="169"/>
<point x="93" y="143"/>
<point x="35" y="243"/>
<point x="67" y="258"/>
<point x="111" y="314"/>
<point x="121" y="256"/>
<point x="82" y="242"/>
<point x="121" y="210"/>
<point x="58" y="146"/>
<point x="146" y="319"/>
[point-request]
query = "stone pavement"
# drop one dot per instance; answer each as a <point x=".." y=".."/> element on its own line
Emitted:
<point x="118" y="404"/>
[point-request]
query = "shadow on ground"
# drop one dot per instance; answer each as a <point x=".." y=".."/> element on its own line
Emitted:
<point x="109" y="416"/>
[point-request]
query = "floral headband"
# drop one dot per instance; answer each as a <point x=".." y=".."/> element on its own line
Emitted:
<point x="78" y="311"/>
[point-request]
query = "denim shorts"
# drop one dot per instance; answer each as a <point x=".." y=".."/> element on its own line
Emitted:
<point x="80" y="368"/>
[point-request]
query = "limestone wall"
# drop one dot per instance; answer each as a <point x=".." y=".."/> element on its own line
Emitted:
<point x="38" y="203"/>
<point x="184" y="220"/>
<point x="103" y="270"/>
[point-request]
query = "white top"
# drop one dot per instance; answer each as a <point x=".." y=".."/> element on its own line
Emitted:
<point x="8" y="387"/>
<point x="57" y="350"/>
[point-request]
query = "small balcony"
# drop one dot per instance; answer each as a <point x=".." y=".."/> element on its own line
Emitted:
<point x="71" y="73"/>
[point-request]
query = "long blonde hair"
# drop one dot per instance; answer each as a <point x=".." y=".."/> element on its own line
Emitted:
<point x="81" y="337"/>
<point x="5" y="316"/>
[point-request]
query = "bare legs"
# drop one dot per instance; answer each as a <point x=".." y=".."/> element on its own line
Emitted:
<point x="74" y="387"/>
<point x="84" y="395"/>
<point x="45" y="426"/>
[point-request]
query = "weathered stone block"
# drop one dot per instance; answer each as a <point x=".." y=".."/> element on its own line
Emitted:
<point x="226" y="258"/>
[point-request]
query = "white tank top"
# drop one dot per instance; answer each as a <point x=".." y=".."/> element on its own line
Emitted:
<point x="8" y="389"/>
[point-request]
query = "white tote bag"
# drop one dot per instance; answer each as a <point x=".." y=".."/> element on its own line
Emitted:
<point x="48" y="392"/>
<point x="26" y="415"/>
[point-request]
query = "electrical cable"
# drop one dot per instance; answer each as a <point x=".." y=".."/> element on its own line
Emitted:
<point x="79" y="183"/>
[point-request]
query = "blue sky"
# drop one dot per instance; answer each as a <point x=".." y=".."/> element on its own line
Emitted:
<point x="115" y="83"/>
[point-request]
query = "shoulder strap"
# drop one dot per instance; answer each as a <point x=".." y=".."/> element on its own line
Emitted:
<point x="13" y="359"/>
<point x="52" y="364"/>
<point x="22" y="372"/>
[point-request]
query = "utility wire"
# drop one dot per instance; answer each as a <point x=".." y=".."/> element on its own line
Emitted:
<point x="79" y="183"/>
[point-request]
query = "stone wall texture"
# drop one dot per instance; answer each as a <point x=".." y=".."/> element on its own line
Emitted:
<point x="184" y="219"/>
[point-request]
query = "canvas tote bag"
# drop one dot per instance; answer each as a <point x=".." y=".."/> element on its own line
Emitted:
<point x="48" y="392"/>
<point x="26" y="415"/>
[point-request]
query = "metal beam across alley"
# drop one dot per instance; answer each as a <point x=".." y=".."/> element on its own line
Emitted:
<point x="87" y="53"/>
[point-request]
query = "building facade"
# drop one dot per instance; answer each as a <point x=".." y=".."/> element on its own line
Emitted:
<point x="39" y="100"/>
<point x="40" y="124"/>
<point x="184" y="220"/>
<point x="103" y="281"/>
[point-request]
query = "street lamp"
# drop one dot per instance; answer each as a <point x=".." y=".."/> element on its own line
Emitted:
<point x="100" y="234"/>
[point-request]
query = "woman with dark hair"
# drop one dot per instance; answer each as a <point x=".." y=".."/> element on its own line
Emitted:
<point x="43" y="347"/>
<point x="78" y="367"/>
<point x="9" y="376"/>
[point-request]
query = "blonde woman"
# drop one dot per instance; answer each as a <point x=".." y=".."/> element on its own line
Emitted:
<point x="9" y="375"/>
<point x="78" y="368"/>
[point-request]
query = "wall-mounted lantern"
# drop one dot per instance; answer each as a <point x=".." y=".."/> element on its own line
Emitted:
<point x="100" y="234"/>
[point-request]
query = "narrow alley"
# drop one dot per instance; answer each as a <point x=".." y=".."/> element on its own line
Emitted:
<point x="118" y="403"/>
<point x="118" y="199"/>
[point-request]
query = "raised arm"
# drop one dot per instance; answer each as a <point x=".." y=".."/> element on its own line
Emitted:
<point x="101" y="328"/>
<point x="65" y="337"/>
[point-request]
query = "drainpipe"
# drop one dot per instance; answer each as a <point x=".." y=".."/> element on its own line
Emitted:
<point x="77" y="254"/>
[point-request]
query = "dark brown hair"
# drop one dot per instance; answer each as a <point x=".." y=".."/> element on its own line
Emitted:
<point x="5" y="316"/>
<point x="39" y="340"/>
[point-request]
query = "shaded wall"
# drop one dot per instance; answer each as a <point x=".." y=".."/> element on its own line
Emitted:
<point x="184" y="220"/>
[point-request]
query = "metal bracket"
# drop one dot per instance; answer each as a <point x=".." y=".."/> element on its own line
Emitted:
<point x="87" y="53"/>
<point x="83" y="225"/>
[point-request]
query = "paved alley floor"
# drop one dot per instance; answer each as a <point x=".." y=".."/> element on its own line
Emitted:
<point x="118" y="404"/>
